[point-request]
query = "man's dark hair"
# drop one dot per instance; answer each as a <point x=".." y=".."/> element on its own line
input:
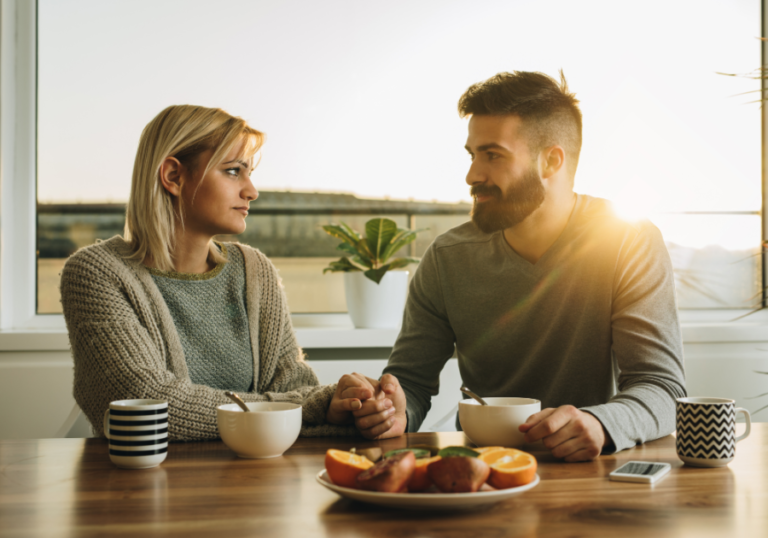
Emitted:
<point x="549" y="112"/>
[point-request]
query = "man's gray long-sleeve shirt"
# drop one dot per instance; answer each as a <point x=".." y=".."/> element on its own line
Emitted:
<point x="597" y="312"/>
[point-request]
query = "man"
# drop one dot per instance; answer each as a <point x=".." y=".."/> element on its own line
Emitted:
<point x="546" y="293"/>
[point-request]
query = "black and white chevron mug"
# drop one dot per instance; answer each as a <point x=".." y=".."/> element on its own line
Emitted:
<point x="137" y="431"/>
<point x="706" y="431"/>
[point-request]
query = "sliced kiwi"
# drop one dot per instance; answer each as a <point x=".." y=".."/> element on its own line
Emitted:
<point x="418" y="452"/>
<point x="450" y="451"/>
<point x="433" y="450"/>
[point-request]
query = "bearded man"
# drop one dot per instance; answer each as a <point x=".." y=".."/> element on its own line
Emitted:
<point x="546" y="293"/>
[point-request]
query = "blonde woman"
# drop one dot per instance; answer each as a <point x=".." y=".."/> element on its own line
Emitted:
<point x="168" y="313"/>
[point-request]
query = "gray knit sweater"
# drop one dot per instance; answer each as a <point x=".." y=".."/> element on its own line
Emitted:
<point x="211" y="318"/>
<point x="597" y="312"/>
<point x="125" y="344"/>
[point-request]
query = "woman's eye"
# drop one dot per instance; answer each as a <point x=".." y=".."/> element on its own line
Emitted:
<point x="233" y="171"/>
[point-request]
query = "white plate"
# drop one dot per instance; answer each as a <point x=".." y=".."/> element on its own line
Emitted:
<point x="433" y="501"/>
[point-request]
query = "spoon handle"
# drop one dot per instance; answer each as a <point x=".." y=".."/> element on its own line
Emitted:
<point x="235" y="398"/>
<point x="471" y="394"/>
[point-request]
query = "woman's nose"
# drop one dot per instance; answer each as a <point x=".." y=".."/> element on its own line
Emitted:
<point x="250" y="192"/>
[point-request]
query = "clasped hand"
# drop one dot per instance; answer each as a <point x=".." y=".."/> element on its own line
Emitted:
<point x="377" y="408"/>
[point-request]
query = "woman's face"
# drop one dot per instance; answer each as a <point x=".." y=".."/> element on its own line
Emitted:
<point x="218" y="202"/>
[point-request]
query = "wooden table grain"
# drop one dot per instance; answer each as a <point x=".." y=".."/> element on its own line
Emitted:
<point x="69" y="488"/>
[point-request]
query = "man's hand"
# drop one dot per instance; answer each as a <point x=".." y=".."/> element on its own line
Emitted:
<point x="383" y="416"/>
<point x="351" y="391"/>
<point x="568" y="433"/>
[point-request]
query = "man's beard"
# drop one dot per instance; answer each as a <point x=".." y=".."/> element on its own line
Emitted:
<point x="505" y="211"/>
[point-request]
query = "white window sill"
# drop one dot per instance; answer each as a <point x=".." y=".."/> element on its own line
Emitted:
<point x="335" y="331"/>
<point x="313" y="331"/>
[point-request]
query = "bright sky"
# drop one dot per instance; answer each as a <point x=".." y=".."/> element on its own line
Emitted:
<point x="361" y="96"/>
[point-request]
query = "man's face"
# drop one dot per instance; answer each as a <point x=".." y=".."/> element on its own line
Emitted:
<point x="504" y="176"/>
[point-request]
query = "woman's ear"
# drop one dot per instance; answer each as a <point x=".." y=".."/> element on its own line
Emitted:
<point x="171" y="175"/>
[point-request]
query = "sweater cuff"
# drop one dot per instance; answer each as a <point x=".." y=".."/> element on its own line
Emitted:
<point x="409" y="421"/>
<point x="315" y="405"/>
<point x="604" y="417"/>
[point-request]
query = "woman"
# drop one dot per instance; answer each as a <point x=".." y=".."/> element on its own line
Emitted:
<point x="167" y="313"/>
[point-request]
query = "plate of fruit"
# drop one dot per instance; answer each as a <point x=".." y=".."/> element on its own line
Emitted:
<point x="426" y="477"/>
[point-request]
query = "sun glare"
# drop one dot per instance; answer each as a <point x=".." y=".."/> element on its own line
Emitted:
<point x="636" y="204"/>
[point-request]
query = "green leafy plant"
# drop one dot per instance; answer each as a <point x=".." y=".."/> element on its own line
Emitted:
<point x="371" y="254"/>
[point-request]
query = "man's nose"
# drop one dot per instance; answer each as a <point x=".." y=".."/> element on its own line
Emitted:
<point x="475" y="175"/>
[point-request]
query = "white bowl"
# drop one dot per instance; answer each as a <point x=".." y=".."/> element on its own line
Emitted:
<point x="266" y="431"/>
<point x="496" y="424"/>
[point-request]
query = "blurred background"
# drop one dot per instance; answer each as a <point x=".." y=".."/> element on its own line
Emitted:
<point x="358" y="101"/>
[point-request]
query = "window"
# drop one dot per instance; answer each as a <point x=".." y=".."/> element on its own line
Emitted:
<point x="358" y="101"/>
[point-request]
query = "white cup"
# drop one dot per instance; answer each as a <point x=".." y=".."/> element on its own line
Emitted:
<point x="266" y="431"/>
<point x="497" y="423"/>
<point x="137" y="431"/>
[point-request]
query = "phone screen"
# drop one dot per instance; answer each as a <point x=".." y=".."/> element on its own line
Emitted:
<point x="640" y="468"/>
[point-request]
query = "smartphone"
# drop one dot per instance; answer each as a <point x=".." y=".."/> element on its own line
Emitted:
<point x="640" y="471"/>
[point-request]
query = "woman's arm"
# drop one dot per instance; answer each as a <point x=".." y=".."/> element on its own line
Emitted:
<point x="282" y="368"/>
<point x="120" y="353"/>
<point x="119" y="350"/>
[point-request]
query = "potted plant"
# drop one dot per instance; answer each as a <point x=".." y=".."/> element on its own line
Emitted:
<point x="375" y="294"/>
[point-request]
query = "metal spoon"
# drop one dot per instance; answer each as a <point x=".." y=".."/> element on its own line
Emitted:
<point x="468" y="392"/>
<point x="235" y="398"/>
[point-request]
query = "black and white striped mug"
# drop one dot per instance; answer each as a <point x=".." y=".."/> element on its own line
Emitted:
<point x="706" y="431"/>
<point x="137" y="431"/>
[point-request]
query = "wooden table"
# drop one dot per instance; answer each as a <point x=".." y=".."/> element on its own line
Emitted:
<point x="68" y="487"/>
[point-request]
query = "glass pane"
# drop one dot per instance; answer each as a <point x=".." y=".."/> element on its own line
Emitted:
<point x="300" y="250"/>
<point x="716" y="259"/>
<point x="61" y="230"/>
<point x="434" y="225"/>
<point x="359" y="98"/>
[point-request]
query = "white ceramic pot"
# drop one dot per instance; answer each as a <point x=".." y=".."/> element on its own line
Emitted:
<point x="376" y="306"/>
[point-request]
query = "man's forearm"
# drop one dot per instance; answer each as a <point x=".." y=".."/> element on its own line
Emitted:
<point x="638" y="414"/>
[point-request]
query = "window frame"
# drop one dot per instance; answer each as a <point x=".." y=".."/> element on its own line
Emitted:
<point x="18" y="178"/>
<point x="18" y="186"/>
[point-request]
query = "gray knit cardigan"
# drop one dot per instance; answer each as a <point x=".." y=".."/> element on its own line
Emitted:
<point x="125" y="345"/>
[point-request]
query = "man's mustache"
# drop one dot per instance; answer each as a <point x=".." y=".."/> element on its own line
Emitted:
<point x="485" y="190"/>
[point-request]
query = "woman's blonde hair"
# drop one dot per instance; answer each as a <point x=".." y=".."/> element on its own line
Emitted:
<point x="183" y="132"/>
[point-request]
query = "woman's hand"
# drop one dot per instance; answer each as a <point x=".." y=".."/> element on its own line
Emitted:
<point x="383" y="416"/>
<point x="352" y="390"/>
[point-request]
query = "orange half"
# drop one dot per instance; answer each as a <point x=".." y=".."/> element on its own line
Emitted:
<point x="420" y="479"/>
<point x="343" y="467"/>
<point x="510" y="468"/>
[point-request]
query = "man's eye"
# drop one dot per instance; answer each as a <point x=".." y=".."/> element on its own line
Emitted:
<point x="492" y="156"/>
